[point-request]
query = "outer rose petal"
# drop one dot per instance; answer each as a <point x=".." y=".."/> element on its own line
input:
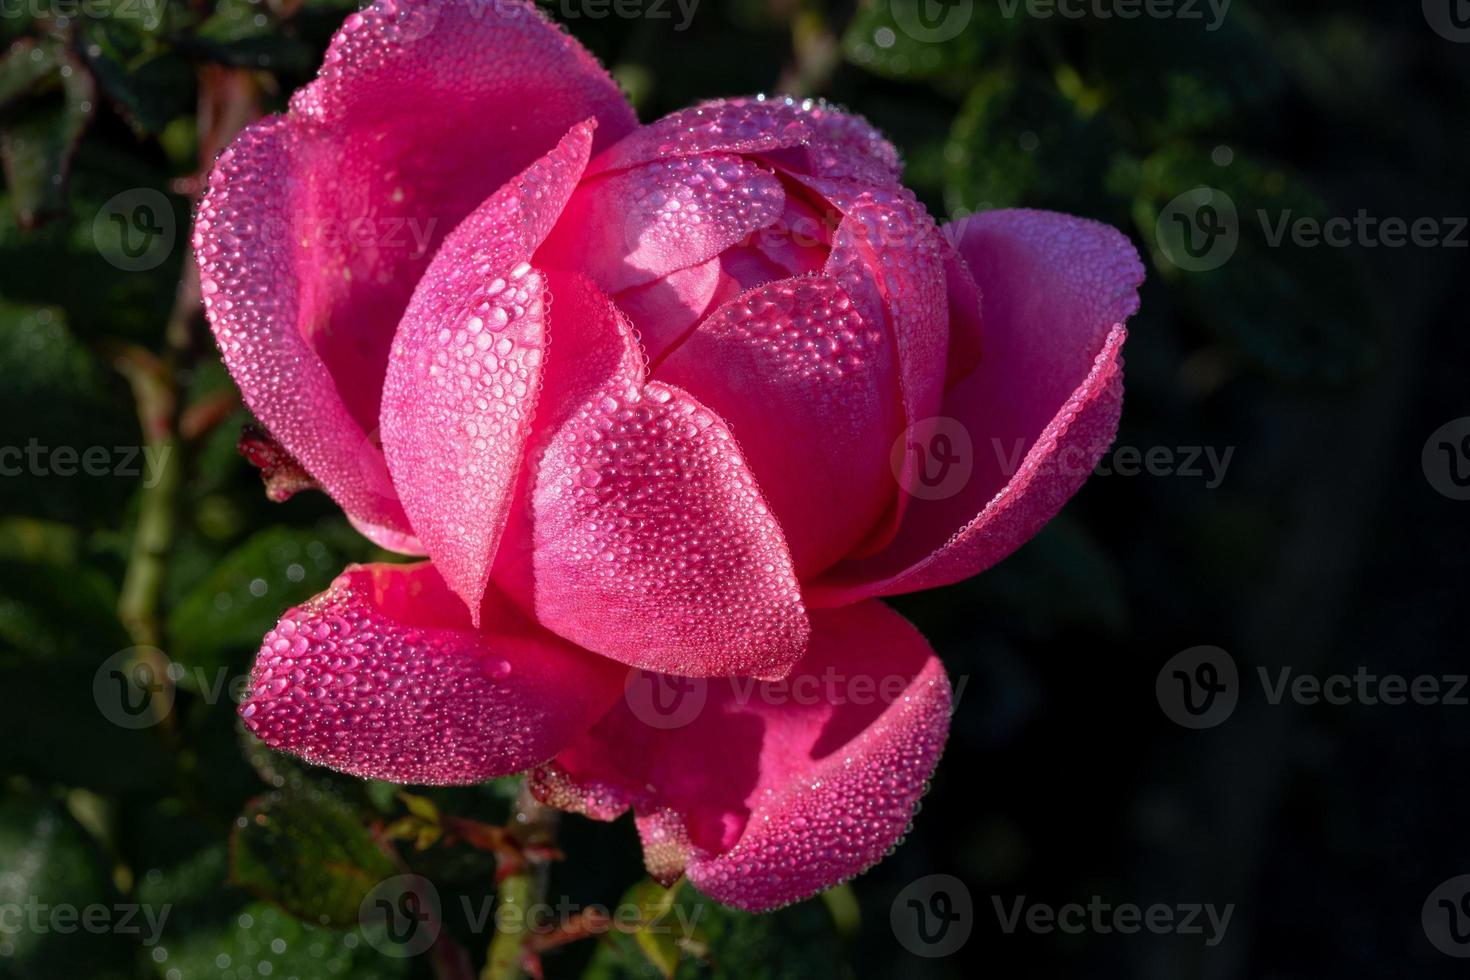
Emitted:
<point x="318" y="224"/>
<point x="652" y="543"/>
<point x="805" y="135"/>
<point x="1056" y="291"/>
<point x="465" y="370"/>
<point x="767" y="793"/>
<point x="381" y="676"/>
<point x="807" y="384"/>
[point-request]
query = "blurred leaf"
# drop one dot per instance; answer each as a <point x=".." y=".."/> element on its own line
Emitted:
<point x="149" y="85"/>
<point x="223" y="619"/>
<point x="25" y="66"/>
<point x="306" y="850"/>
<point x="798" y="941"/>
<point x="37" y="141"/>
<point x="898" y="39"/>
<point x="261" y="940"/>
<point x="1019" y="141"/>
<point x="240" y="33"/>
<point x="57" y="628"/>
<point x="1300" y="313"/>
<point x="71" y="445"/>
<point x="49" y="868"/>
<point x="1177" y="78"/>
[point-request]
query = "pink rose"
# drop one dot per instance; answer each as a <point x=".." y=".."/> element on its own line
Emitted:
<point x="684" y="398"/>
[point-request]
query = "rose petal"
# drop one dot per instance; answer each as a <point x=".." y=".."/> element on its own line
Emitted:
<point x="1042" y="407"/>
<point x="652" y="542"/>
<point x="381" y="676"/>
<point x="635" y="226"/>
<point x="318" y="224"/>
<point x="465" y="370"/>
<point x="805" y="135"/>
<point x="807" y="385"/>
<point x="765" y="793"/>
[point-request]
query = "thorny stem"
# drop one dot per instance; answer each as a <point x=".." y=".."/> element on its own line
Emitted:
<point x="522" y="886"/>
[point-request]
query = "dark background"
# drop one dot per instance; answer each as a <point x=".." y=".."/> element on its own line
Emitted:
<point x="1326" y="547"/>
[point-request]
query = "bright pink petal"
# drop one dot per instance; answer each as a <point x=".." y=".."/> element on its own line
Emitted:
<point x="465" y="370"/>
<point x="254" y="281"/>
<point x="889" y="256"/>
<point x="652" y="541"/>
<point x="807" y="384"/>
<point x="765" y="793"/>
<point x="318" y="224"/>
<point x="1041" y="408"/>
<point x="383" y="677"/>
<point x="665" y="310"/>
<point x="803" y="135"/>
<point x="634" y="226"/>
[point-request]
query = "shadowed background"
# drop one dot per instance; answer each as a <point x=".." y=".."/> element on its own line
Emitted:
<point x="1288" y="515"/>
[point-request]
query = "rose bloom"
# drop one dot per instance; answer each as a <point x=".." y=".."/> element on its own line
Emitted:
<point x="667" y="408"/>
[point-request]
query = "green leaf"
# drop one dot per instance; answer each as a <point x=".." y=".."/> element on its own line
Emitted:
<point x="38" y="140"/>
<point x="307" y="851"/>
<point x="220" y="623"/>
<point x="1300" y="314"/>
<point x="72" y="444"/>
<point x="150" y="85"/>
<point x="897" y="38"/>
<point x="28" y="66"/>
<point x="1020" y="141"/>
<point x="51" y="875"/>
<point x="262" y="941"/>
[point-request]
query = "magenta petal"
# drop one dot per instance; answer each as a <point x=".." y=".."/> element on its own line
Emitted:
<point x="465" y="370"/>
<point x="318" y="224"/>
<point x="382" y="676"/>
<point x="1041" y="408"/>
<point x="804" y="135"/>
<point x="653" y="544"/>
<point x="766" y="793"/>
<point x="808" y="385"/>
<point x="632" y="227"/>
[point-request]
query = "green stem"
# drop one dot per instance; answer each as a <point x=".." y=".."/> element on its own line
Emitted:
<point x="519" y="891"/>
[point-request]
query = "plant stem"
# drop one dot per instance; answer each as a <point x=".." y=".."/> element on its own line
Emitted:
<point x="521" y="887"/>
